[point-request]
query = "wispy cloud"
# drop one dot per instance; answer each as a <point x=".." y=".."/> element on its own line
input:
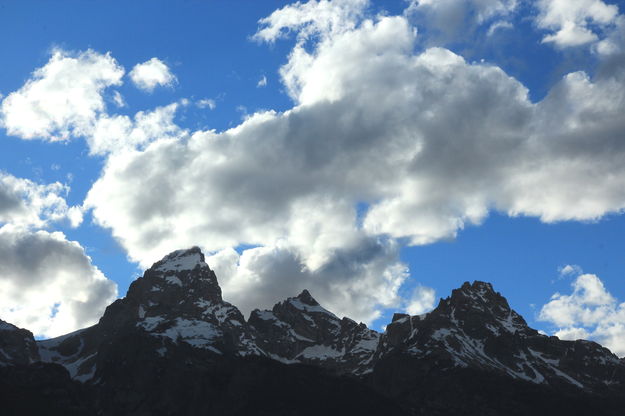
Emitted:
<point x="206" y="103"/>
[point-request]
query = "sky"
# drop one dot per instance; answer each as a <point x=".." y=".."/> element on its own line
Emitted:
<point x="377" y="153"/>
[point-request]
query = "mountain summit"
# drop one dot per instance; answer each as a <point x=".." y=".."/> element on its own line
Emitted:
<point x="476" y="328"/>
<point x="299" y="330"/>
<point x="173" y="343"/>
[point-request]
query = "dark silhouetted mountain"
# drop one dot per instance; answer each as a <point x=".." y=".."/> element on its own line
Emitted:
<point x="475" y="328"/>
<point x="173" y="346"/>
<point x="473" y="355"/>
<point x="17" y="346"/>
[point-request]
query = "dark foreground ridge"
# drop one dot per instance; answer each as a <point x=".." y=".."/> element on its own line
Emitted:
<point x="173" y="346"/>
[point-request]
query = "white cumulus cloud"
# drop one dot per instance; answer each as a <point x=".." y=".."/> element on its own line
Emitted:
<point x="574" y="22"/>
<point x="150" y="74"/>
<point x="63" y="98"/>
<point x="48" y="284"/>
<point x="385" y="143"/>
<point x="424" y="141"/>
<point x="357" y="281"/>
<point x="66" y="99"/>
<point x="589" y="312"/>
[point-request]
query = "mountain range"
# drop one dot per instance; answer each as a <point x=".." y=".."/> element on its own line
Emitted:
<point x="173" y="346"/>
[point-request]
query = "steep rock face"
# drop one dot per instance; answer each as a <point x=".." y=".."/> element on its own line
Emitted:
<point x="177" y="301"/>
<point x="76" y="351"/>
<point x="43" y="389"/>
<point x="299" y="330"/>
<point x="475" y="328"/>
<point x="17" y="346"/>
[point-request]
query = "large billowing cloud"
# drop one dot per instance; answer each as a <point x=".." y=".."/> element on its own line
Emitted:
<point x="452" y="20"/>
<point x="423" y="143"/>
<point x="385" y="145"/>
<point x="590" y="312"/>
<point x="354" y="278"/>
<point x="48" y="284"/>
<point x="380" y="135"/>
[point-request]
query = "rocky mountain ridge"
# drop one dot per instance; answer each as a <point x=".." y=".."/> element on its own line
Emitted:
<point x="174" y="321"/>
<point x="476" y="328"/>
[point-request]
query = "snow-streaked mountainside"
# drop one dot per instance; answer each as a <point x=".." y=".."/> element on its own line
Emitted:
<point x="175" y="313"/>
<point x="300" y="330"/>
<point x="178" y="300"/>
<point x="475" y="327"/>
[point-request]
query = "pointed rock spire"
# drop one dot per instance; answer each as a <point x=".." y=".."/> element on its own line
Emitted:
<point x="307" y="298"/>
<point x="179" y="276"/>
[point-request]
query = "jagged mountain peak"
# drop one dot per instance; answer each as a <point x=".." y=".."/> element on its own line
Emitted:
<point x="176" y="301"/>
<point x="477" y="311"/>
<point x="478" y="292"/>
<point x="181" y="276"/>
<point x="478" y="287"/>
<point x="6" y="326"/>
<point x="303" y="303"/>
<point x="300" y="330"/>
<point x="399" y="316"/>
<point x="476" y="328"/>
<point x="476" y="305"/>
<point x="185" y="259"/>
<point x="306" y="298"/>
<point x="179" y="298"/>
<point x="177" y="306"/>
<point x="181" y="335"/>
<point x="17" y="345"/>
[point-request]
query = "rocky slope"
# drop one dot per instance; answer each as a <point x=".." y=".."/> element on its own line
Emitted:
<point x="17" y="346"/>
<point x="173" y="343"/>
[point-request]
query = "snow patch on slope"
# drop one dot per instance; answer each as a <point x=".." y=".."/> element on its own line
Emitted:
<point x="320" y="352"/>
<point x="298" y="304"/>
<point x="181" y="260"/>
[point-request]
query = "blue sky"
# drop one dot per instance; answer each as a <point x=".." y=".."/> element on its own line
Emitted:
<point x="310" y="188"/>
